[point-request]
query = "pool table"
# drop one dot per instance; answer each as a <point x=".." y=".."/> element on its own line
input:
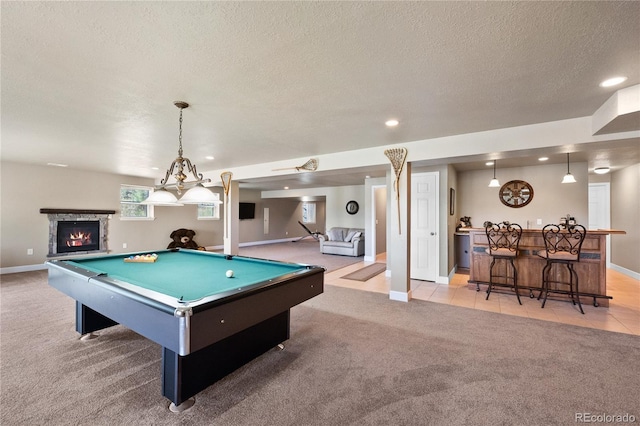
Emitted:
<point x="207" y="324"/>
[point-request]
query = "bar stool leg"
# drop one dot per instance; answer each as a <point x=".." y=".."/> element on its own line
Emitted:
<point x="545" y="282"/>
<point x="515" y="280"/>
<point x="572" y="274"/>
<point x="493" y="262"/>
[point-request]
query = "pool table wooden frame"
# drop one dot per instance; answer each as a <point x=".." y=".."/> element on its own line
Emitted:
<point x="201" y="341"/>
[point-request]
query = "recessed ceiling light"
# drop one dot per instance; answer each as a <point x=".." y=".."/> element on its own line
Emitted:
<point x="57" y="165"/>
<point x="543" y="158"/>
<point x="209" y="157"/>
<point x="392" y="123"/>
<point x="601" y="170"/>
<point x="286" y="187"/>
<point x="155" y="168"/>
<point x="489" y="163"/>
<point x="612" y="81"/>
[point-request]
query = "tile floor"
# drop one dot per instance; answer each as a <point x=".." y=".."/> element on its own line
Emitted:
<point x="622" y="315"/>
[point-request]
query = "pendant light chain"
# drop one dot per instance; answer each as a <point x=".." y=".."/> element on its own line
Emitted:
<point x="180" y="136"/>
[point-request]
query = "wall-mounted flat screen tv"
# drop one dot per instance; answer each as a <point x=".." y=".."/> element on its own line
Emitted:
<point x="247" y="210"/>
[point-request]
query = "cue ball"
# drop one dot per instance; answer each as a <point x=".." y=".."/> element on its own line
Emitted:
<point x="229" y="273"/>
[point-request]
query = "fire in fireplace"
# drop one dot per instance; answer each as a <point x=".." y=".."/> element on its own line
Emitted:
<point x="73" y="232"/>
<point x="76" y="236"/>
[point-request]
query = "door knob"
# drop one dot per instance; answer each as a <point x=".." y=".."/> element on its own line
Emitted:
<point x="433" y="233"/>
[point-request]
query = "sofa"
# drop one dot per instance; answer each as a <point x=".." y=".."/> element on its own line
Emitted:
<point x="343" y="241"/>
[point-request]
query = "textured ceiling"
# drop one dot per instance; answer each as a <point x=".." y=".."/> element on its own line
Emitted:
<point x="92" y="84"/>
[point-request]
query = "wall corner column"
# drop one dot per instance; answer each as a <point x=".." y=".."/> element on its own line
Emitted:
<point x="399" y="238"/>
<point x="231" y="236"/>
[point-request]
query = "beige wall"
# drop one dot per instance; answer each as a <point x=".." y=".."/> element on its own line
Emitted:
<point x="625" y="215"/>
<point x="452" y="219"/>
<point x="25" y="189"/>
<point x="551" y="199"/>
<point x="334" y="206"/>
<point x="284" y="214"/>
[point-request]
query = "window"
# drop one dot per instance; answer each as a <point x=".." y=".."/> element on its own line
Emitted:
<point x="308" y="212"/>
<point x="209" y="211"/>
<point x="130" y="199"/>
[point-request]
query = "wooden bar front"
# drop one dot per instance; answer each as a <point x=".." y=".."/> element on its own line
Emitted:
<point x="591" y="268"/>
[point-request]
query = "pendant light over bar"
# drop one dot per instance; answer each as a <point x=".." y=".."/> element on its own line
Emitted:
<point x="494" y="182"/>
<point x="197" y="194"/>
<point x="568" y="178"/>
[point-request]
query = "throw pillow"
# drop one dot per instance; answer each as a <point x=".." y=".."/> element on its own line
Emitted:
<point x="349" y="236"/>
<point x="357" y="235"/>
<point x="335" y="235"/>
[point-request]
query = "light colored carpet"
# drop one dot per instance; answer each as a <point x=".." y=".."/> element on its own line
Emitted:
<point x="366" y="273"/>
<point x="353" y="358"/>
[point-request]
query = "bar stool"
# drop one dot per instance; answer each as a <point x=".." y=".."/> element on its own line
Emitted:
<point x="504" y="238"/>
<point x="562" y="247"/>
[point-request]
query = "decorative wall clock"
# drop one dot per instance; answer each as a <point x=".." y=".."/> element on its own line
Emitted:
<point x="516" y="193"/>
<point x="352" y="207"/>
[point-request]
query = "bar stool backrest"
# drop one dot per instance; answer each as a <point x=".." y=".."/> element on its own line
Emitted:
<point x="563" y="242"/>
<point x="504" y="238"/>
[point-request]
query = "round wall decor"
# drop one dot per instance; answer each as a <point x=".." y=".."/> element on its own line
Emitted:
<point x="516" y="193"/>
<point x="352" y="207"/>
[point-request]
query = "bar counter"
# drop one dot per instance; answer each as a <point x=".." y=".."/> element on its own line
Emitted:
<point x="591" y="268"/>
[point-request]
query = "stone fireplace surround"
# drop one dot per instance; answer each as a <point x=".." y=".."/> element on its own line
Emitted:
<point x="65" y="215"/>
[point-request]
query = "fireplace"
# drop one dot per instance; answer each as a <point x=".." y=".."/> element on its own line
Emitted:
<point x="73" y="236"/>
<point x="74" y="232"/>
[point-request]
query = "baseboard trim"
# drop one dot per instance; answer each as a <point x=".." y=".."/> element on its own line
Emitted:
<point x="625" y="271"/>
<point x="24" y="268"/>
<point x="400" y="296"/>
<point x="254" y="243"/>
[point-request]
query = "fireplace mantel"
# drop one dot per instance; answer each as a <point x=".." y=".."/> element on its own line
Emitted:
<point x="75" y="211"/>
<point x="69" y="215"/>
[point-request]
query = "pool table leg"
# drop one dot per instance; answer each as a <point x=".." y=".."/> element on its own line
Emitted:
<point x="88" y="320"/>
<point x="185" y="376"/>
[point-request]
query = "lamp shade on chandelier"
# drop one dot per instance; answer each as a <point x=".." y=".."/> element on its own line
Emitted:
<point x="162" y="197"/>
<point x="197" y="194"/>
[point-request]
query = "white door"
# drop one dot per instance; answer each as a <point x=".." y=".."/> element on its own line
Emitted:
<point x="600" y="211"/>
<point x="424" y="226"/>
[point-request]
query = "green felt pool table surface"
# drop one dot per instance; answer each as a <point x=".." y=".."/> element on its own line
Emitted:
<point x="189" y="274"/>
